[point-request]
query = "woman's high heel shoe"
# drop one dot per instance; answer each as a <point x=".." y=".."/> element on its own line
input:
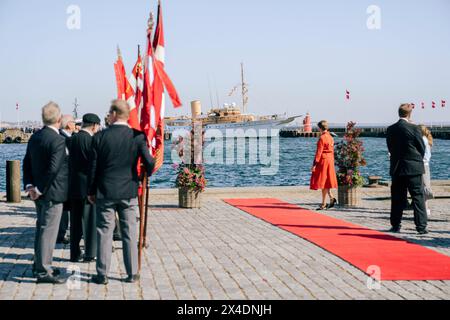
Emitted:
<point x="332" y="203"/>
<point x="322" y="207"/>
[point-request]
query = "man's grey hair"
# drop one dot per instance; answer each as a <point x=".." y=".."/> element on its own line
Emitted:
<point x="66" y="119"/>
<point x="51" y="113"/>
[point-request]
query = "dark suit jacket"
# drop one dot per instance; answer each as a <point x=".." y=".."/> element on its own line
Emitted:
<point x="45" y="165"/>
<point x="113" y="170"/>
<point x="80" y="153"/>
<point x="66" y="136"/>
<point x="407" y="149"/>
<point x="68" y="142"/>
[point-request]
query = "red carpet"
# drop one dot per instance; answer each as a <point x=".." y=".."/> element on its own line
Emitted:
<point x="359" y="246"/>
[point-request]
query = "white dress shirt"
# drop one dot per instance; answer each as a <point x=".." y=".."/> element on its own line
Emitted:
<point x="66" y="132"/>
<point x="121" y="123"/>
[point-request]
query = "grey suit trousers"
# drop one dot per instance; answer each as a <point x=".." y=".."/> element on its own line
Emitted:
<point x="128" y="215"/>
<point x="47" y="225"/>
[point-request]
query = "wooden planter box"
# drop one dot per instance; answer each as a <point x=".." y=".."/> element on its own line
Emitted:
<point x="189" y="199"/>
<point x="347" y="196"/>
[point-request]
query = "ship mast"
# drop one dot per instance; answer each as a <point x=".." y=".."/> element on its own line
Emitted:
<point x="75" y="108"/>
<point x="244" y="90"/>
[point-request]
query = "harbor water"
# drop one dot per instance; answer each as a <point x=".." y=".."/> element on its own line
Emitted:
<point x="295" y="161"/>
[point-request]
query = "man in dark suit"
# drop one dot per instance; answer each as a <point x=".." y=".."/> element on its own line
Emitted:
<point x="82" y="217"/>
<point x="407" y="150"/>
<point x="113" y="184"/>
<point x="67" y="129"/>
<point x="45" y="172"/>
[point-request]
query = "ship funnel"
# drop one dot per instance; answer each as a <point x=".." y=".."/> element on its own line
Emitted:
<point x="196" y="109"/>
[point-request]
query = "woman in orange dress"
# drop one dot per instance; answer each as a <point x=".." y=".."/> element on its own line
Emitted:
<point x="323" y="172"/>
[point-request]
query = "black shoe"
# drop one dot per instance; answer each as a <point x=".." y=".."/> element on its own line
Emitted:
<point x="98" y="279"/>
<point x="132" y="279"/>
<point x="395" y="230"/>
<point x="64" y="240"/>
<point x="51" y="279"/>
<point x="77" y="259"/>
<point x="56" y="272"/>
<point x="424" y="231"/>
<point x="89" y="259"/>
<point x="332" y="203"/>
<point x="322" y="207"/>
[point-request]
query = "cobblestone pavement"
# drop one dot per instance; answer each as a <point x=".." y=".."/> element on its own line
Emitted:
<point x="220" y="252"/>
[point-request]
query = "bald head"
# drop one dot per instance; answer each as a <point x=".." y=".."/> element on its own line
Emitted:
<point x="405" y="111"/>
<point x="119" y="111"/>
<point x="68" y="123"/>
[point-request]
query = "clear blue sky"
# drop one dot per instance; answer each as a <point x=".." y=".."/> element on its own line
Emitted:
<point x="299" y="55"/>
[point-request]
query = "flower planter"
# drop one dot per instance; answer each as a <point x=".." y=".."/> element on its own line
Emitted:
<point x="347" y="196"/>
<point x="189" y="199"/>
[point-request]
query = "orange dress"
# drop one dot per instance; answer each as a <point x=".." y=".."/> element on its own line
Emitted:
<point x="324" y="177"/>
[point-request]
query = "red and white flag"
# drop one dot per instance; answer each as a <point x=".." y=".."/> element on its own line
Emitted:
<point x="423" y="105"/>
<point x="413" y="105"/>
<point x="152" y="115"/>
<point x="17" y="106"/>
<point x="137" y="82"/>
<point x="443" y="102"/>
<point x="347" y="95"/>
<point x="433" y="104"/>
<point x="125" y="92"/>
<point x="148" y="109"/>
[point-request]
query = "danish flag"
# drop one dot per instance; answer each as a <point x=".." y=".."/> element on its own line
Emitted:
<point x="125" y="91"/>
<point x="433" y="104"/>
<point x="137" y="82"/>
<point x="443" y="102"/>
<point x="152" y="114"/>
<point x="423" y="105"/>
<point x="413" y="105"/>
<point x="347" y="95"/>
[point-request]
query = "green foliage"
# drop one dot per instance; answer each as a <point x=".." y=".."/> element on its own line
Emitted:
<point x="350" y="157"/>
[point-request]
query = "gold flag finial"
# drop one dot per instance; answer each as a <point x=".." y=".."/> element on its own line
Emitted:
<point x="119" y="53"/>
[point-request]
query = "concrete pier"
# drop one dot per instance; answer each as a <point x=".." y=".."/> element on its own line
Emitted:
<point x="439" y="132"/>
<point x="220" y="252"/>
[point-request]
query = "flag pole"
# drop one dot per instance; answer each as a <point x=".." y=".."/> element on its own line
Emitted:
<point x="151" y="25"/>
<point x="142" y="211"/>
<point x="143" y="205"/>
<point x="147" y="191"/>
<point x="18" y="120"/>
<point x="142" y="222"/>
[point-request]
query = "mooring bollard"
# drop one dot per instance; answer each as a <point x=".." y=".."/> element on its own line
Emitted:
<point x="13" y="185"/>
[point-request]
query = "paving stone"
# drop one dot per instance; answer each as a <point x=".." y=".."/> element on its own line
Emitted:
<point x="220" y="252"/>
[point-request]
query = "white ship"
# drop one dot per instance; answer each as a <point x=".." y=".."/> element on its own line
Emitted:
<point x="229" y="118"/>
